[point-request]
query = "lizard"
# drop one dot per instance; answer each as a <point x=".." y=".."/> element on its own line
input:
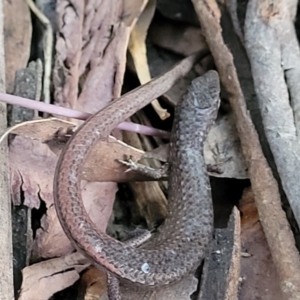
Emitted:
<point x="183" y="239"/>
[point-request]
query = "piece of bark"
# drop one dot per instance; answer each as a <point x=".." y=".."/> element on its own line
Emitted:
<point x="220" y="278"/>
<point x="28" y="84"/>
<point x="22" y="242"/>
<point x="6" y="258"/>
<point x="272" y="217"/>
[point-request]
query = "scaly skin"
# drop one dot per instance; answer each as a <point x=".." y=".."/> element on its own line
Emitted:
<point x="182" y="240"/>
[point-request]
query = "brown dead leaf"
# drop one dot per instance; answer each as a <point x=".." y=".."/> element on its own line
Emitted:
<point x="42" y="280"/>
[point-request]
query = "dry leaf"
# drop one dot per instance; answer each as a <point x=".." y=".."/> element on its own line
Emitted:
<point x="42" y="280"/>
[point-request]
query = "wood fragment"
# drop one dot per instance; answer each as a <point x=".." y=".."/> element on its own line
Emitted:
<point x="220" y="279"/>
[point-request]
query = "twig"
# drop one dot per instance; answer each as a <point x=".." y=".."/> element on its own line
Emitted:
<point x="265" y="188"/>
<point x="71" y="113"/>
